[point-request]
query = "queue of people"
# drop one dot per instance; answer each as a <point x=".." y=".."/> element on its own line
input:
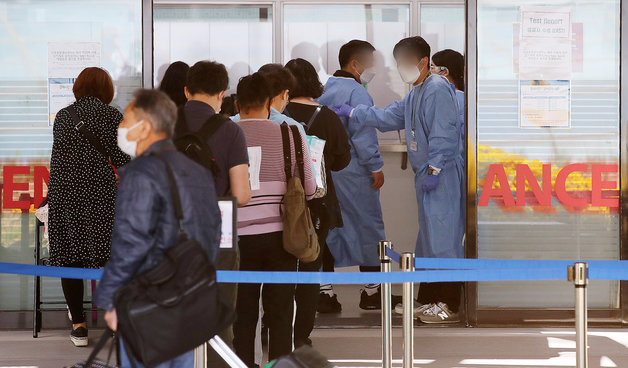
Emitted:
<point x="282" y="112"/>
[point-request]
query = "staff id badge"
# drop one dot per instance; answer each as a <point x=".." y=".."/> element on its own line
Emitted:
<point x="413" y="145"/>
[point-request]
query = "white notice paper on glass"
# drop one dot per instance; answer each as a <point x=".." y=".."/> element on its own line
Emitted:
<point x="544" y="104"/>
<point x="66" y="60"/>
<point x="255" y="163"/>
<point x="545" y="43"/>
<point x="226" y="213"/>
<point x="316" y="147"/>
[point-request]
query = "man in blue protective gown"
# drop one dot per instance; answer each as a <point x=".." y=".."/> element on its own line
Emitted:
<point x="358" y="185"/>
<point x="430" y="116"/>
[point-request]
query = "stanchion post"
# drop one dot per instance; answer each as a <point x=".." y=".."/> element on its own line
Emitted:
<point x="200" y="356"/>
<point x="386" y="306"/>
<point x="579" y="274"/>
<point x="407" y="265"/>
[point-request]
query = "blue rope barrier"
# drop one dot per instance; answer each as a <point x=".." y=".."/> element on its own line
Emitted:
<point x="393" y="255"/>
<point x="317" y="277"/>
<point x="441" y="270"/>
<point x="487" y="264"/>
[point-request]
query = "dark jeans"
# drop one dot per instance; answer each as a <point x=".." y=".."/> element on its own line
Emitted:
<point x="228" y="259"/>
<point x="264" y="252"/>
<point x="306" y="295"/>
<point x="446" y="292"/>
<point x="73" y="292"/>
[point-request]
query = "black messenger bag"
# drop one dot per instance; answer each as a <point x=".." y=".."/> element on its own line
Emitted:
<point x="174" y="307"/>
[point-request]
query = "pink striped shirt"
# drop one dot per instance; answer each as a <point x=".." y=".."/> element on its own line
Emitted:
<point x="263" y="213"/>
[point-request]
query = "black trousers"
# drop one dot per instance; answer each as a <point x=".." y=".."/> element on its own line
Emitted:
<point x="306" y="295"/>
<point x="446" y="292"/>
<point x="328" y="258"/>
<point x="264" y="252"/>
<point x="73" y="292"/>
<point x="228" y="259"/>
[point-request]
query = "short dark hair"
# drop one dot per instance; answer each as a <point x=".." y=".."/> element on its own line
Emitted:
<point x="307" y="82"/>
<point x="157" y="107"/>
<point x="415" y="45"/>
<point x="351" y="50"/>
<point x="94" y="82"/>
<point x="174" y="80"/>
<point x="278" y="78"/>
<point x="207" y="77"/>
<point x="253" y="92"/>
<point x="227" y="107"/>
<point x="454" y="62"/>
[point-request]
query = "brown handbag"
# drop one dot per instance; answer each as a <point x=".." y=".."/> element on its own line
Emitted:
<point x="299" y="234"/>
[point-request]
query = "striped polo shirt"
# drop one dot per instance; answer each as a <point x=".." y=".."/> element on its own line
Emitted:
<point x="263" y="213"/>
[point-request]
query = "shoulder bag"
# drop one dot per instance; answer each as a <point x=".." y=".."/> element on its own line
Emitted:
<point x="299" y="234"/>
<point x="91" y="138"/>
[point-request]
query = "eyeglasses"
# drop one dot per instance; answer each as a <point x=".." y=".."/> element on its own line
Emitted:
<point x="437" y="69"/>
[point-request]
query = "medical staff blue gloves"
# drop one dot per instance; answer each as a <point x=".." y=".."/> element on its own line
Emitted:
<point x="343" y="111"/>
<point x="430" y="183"/>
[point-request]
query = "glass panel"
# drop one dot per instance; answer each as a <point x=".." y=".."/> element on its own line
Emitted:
<point x="25" y="136"/>
<point x="241" y="37"/>
<point x="548" y="112"/>
<point x="443" y="27"/>
<point x="316" y="33"/>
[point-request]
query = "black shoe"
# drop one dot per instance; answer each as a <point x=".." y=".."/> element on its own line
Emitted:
<point x="370" y="302"/>
<point x="300" y="342"/>
<point x="79" y="336"/>
<point x="328" y="304"/>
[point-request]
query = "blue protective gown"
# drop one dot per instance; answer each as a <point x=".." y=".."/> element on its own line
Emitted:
<point x="460" y="98"/>
<point x="431" y="111"/>
<point x="355" y="244"/>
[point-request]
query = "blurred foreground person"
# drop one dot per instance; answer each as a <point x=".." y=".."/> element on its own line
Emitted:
<point x="145" y="223"/>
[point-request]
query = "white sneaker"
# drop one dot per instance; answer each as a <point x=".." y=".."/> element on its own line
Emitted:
<point x="418" y="308"/>
<point x="439" y="313"/>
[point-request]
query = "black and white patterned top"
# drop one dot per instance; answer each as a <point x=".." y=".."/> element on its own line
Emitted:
<point x="82" y="186"/>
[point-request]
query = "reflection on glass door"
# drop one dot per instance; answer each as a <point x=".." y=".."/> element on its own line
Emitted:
<point x="316" y="32"/>
<point x="241" y="37"/>
<point x="443" y="26"/>
<point x="548" y="142"/>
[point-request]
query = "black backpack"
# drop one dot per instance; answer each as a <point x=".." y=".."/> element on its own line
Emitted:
<point x="195" y="145"/>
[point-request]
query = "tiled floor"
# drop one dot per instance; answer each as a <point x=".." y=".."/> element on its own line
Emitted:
<point x="352" y="339"/>
<point x="434" y="348"/>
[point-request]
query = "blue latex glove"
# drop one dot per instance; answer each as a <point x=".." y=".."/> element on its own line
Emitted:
<point x="343" y="111"/>
<point x="430" y="183"/>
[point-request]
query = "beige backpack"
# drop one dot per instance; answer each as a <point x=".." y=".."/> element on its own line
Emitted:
<point x="299" y="234"/>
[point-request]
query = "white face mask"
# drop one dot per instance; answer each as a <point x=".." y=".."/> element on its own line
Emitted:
<point x="410" y="74"/>
<point x="367" y="75"/>
<point x="126" y="146"/>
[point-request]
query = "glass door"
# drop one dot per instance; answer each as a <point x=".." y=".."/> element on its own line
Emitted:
<point x="547" y="150"/>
